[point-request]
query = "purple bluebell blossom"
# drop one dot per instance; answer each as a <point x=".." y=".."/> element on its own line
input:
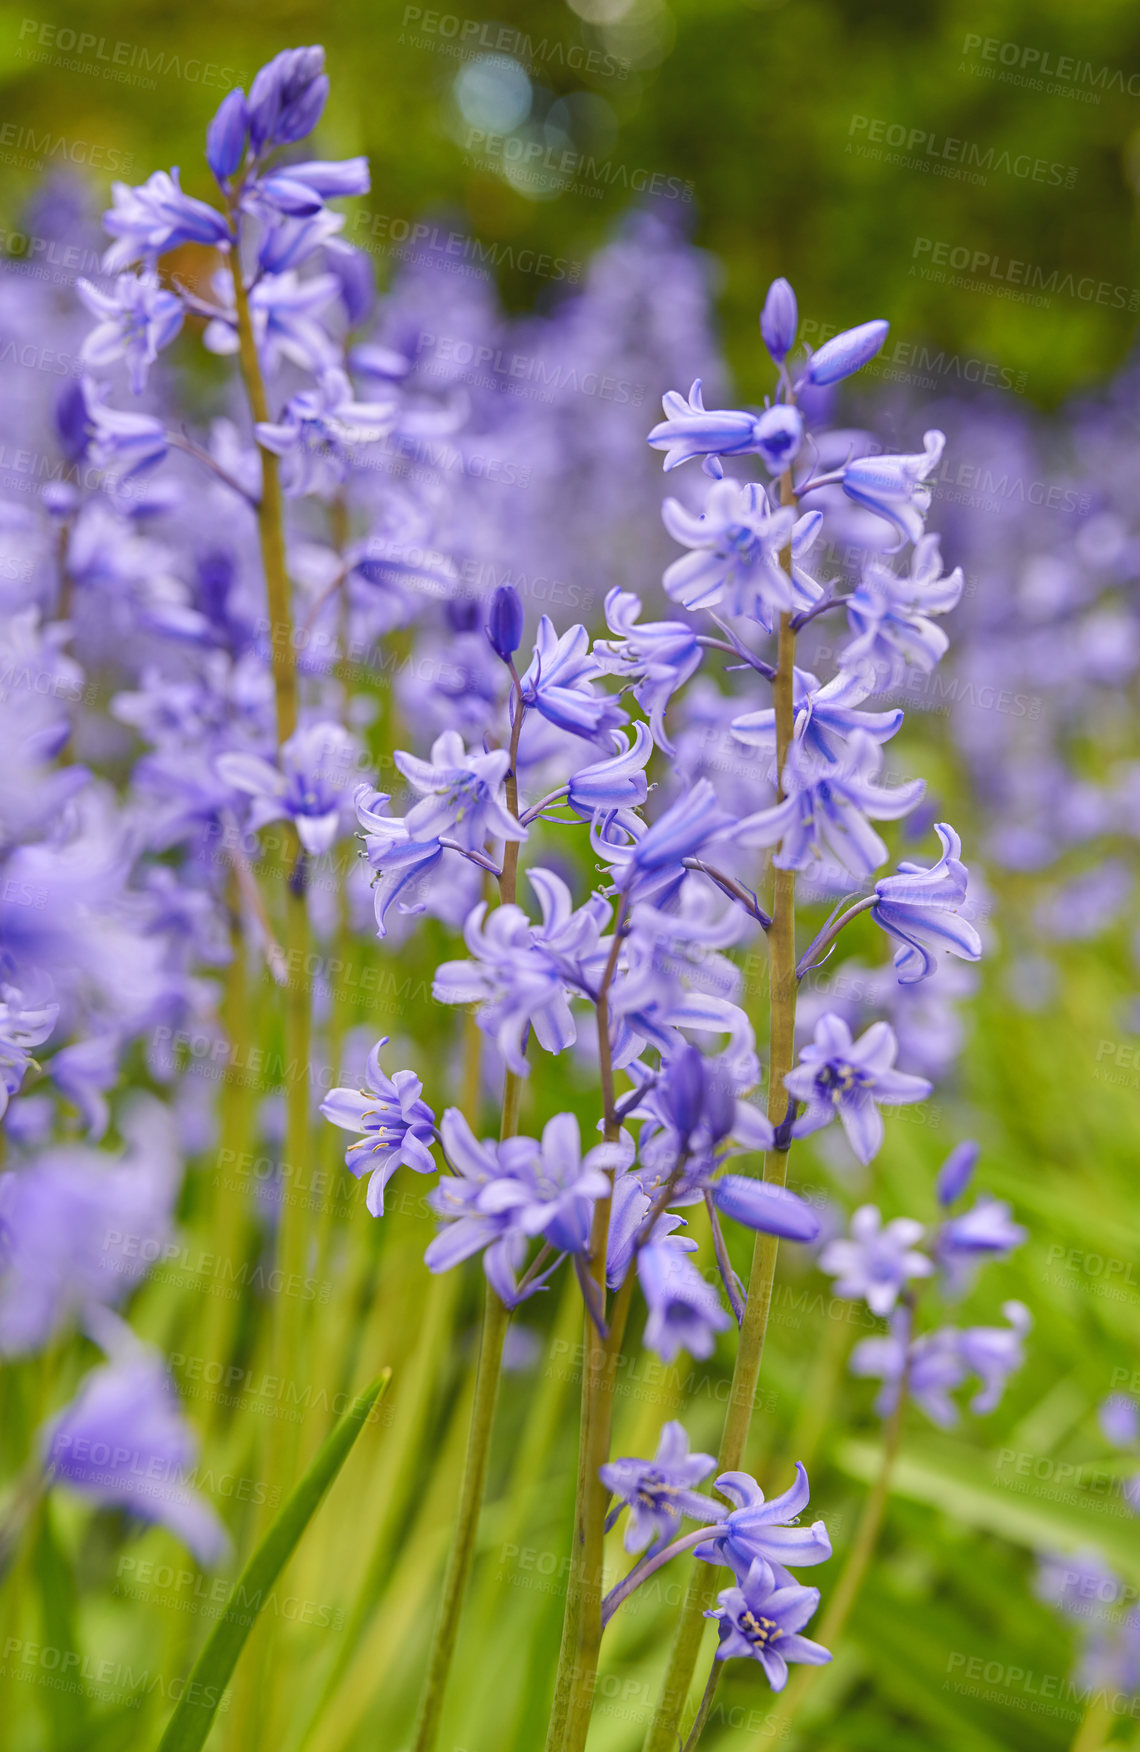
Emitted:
<point x="736" y="544"/>
<point x="81" y="1228"/>
<point x="968" y="1240"/>
<point x="1119" y="1420"/>
<point x="659" y="1493"/>
<point x="690" y="430"/>
<point x="558" y="683"/>
<point x="825" y="716"/>
<point x="477" y="1203"/>
<point x="505" y="622"/>
<point x="685" y="1312"/>
<point x="226" y="137"/>
<point x="893" y="487"/>
<point x="655" y="860"/>
<point x="516" y="980"/>
<point x="654" y="659"/>
<point x="828" y="810"/>
<point x="461" y="794"/>
<point x="155" y="217"/>
<point x="286" y="314"/>
<point x="310" y="787"/>
<point x="124" y="444"/>
<point x="136" y="321"/>
<point x="396" y="1126"/>
<point x="761" y="1205"/>
<point x="561" y="1186"/>
<point x="22" y="1026"/>
<point x="287" y="97"/>
<point x="765" y="1529"/>
<point x="956" y="1172"/>
<point x="301" y="189"/>
<point x="994" y="1353"/>
<point x="876" y="1260"/>
<point x="320" y="433"/>
<point x="890" y="615"/>
<point x="847" y="353"/>
<point x="761" y="1619"/>
<point x="124" y="1443"/>
<point x="617" y="783"/>
<point x="921" y="908"/>
<point x="838" y="1077"/>
<point x="779" y="320"/>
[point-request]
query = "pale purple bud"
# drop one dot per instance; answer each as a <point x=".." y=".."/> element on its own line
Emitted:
<point x="779" y="320"/>
<point x="847" y="352"/>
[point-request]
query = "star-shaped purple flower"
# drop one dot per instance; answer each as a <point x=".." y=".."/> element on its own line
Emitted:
<point x="848" y="1079"/>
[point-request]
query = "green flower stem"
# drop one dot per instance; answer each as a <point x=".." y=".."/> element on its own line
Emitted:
<point x="582" y="1621"/>
<point x="702" y="1714"/>
<point x="665" y="1728"/>
<point x="834" y="1621"/>
<point x="270" y="519"/>
<point x="495" y="1320"/>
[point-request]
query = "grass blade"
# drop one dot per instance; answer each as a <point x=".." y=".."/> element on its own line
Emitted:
<point x="192" y="1720"/>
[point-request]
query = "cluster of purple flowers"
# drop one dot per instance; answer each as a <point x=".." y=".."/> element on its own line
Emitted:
<point x="584" y="810"/>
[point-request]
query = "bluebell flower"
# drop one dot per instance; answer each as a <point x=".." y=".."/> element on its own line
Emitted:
<point x="761" y="1619"/>
<point x="558" y="683"/>
<point x="779" y="320"/>
<point x="920" y="907"/>
<point x="828" y="810"/>
<point x="505" y="622"/>
<point x="850" y="1079"/>
<point x="71" y="421"/>
<point x="1119" y="1420"/>
<point x="123" y="444"/>
<point x="155" y="217"/>
<point x="226" y="137"/>
<point x="286" y="98"/>
<point x="762" y="1205"/>
<point x="825" y="716"/>
<point x="654" y="658"/>
<point x="765" y="1530"/>
<point x="22" y="1026"/>
<point x="630" y="1207"/>
<point x="124" y="1443"/>
<point x="284" y="312"/>
<point x="890" y="615"/>
<point x="955" y="1173"/>
<point x="655" y="860"/>
<point x="136" y="321"/>
<point x="301" y="189"/>
<point x="690" y="430"/>
<point x="685" y="1312"/>
<point x="515" y="979"/>
<point x="737" y="545"/>
<point x="310" y="786"/>
<point x="993" y="1353"/>
<point x="81" y="1228"/>
<point x="461" y="794"/>
<point x="967" y="1240"/>
<point x="847" y="352"/>
<point x="561" y="1186"/>
<point x="477" y="1202"/>
<point x="893" y="486"/>
<point x="618" y="782"/>
<point x="396" y="1126"/>
<point x="320" y="433"/>
<point x="659" y="1493"/>
<point x="876" y="1260"/>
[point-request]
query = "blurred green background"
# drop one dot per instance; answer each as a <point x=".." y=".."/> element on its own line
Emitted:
<point x="782" y="115"/>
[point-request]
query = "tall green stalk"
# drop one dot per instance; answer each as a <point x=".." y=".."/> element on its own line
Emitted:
<point x="665" y="1727"/>
<point x="492" y="1336"/>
